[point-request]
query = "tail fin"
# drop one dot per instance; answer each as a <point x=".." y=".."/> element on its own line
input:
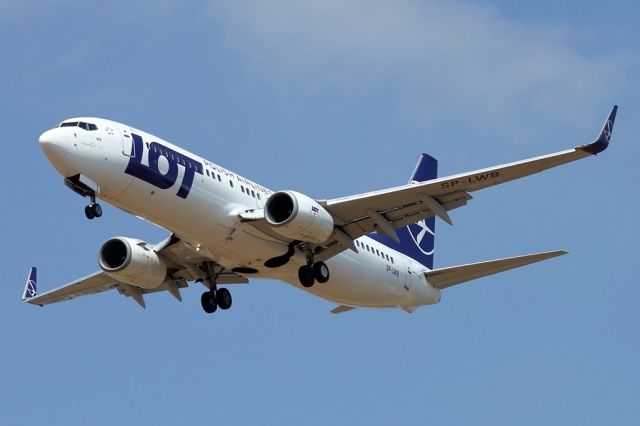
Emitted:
<point x="418" y="239"/>
<point x="30" y="287"/>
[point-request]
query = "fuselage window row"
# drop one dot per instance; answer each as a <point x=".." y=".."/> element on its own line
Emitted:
<point x="374" y="251"/>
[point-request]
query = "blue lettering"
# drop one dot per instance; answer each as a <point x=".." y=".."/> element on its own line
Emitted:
<point x="151" y="173"/>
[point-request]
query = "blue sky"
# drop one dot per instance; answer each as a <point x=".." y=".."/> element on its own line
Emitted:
<point x="332" y="98"/>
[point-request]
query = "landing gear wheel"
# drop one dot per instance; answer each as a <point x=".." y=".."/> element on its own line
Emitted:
<point x="88" y="212"/>
<point x="305" y="275"/>
<point x="93" y="210"/>
<point x="97" y="210"/>
<point x="208" y="301"/>
<point x="321" y="272"/>
<point x="223" y="297"/>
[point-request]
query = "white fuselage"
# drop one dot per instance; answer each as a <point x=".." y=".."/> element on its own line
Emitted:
<point x="204" y="213"/>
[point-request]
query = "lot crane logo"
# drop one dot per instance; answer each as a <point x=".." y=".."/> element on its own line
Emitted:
<point x="423" y="236"/>
<point x="30" y="288"/>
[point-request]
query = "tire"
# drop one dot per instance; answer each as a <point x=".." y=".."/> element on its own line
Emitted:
<point x="88" y="212"/>
<point x="321" y="272"/>
<point x="305" y="275"/>
<point x="97" y="210"/>
<point x="223" y="297"/>
<point x="208" y="302"/>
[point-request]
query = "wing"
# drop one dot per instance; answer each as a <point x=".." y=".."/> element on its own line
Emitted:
<point x="386" y="210"/>
<point x="389" y="209"/>
<point x="183" y="264"/>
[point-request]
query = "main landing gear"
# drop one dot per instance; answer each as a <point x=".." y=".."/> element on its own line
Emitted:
<point x="93" y="209"/>
<point x="214" y="299"/>
<point x="313" y="272"/>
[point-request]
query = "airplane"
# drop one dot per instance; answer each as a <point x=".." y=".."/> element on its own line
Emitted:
<point x="372" y="250"/>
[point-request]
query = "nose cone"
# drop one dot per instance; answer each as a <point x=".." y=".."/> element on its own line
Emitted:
<point x="52" y="143"/>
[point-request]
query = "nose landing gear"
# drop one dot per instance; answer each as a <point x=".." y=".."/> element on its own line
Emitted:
<point x="93" y="209"/>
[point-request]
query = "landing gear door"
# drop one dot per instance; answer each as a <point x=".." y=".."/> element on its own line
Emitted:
<point x="128" y="148"/>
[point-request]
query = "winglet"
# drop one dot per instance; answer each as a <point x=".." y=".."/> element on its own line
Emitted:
<point x="30" y="287"/>
<point x="602" y="142"/>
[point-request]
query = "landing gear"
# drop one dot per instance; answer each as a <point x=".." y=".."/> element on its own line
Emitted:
<point x="93" y="209"/>
<point x="305" y="275"/>
<point x="212" y="300"/>
<point x="223" y="297"/>
<point x="208" y="300"/>
<point x="216" y="297"/>
<point x="321" y="272"/>
<point x="313" y="272"/>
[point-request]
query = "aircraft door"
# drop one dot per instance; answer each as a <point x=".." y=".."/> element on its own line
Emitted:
<point x="128" y="149"/>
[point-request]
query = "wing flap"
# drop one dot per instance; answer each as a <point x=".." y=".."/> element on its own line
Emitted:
<point x="447" y="277"/>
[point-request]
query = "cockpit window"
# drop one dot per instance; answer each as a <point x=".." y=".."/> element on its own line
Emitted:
<point x="81" y="124"/>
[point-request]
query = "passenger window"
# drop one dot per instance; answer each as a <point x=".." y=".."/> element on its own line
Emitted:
<point x="207" y="172"/>
<point x="391" y="259"/>
<point x="219" y="178"/>
<point x="231" y="183"/>
<point x="258" y="194"/>
<point x="253" y="194"/>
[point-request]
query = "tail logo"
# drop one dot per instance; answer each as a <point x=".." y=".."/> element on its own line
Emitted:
<point x="31" y="288"/>
<point x="418" y="232"/>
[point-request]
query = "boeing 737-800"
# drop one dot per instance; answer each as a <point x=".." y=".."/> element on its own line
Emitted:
<point x="367" y="250"/>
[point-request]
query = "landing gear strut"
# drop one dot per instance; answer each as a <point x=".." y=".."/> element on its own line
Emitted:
<point x="93" y="209"/>
<point x="313" y="272"/>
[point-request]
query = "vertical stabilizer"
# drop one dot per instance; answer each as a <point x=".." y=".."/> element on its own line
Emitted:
<point x="418" y="239"/>
<point x="30" y="287"/>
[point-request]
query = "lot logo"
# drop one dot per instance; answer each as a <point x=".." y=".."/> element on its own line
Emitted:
<point x="151" y="173"/>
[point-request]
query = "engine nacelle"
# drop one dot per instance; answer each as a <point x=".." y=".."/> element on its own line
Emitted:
<point x="131" y="261"/>
<point x="298" y="217"/>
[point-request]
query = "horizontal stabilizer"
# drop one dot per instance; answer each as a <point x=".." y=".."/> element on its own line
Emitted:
<point x="447" y="277"/>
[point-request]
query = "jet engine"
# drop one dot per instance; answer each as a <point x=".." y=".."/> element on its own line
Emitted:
<point x="298" y="217"/>
<point x="133" y="262"/>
